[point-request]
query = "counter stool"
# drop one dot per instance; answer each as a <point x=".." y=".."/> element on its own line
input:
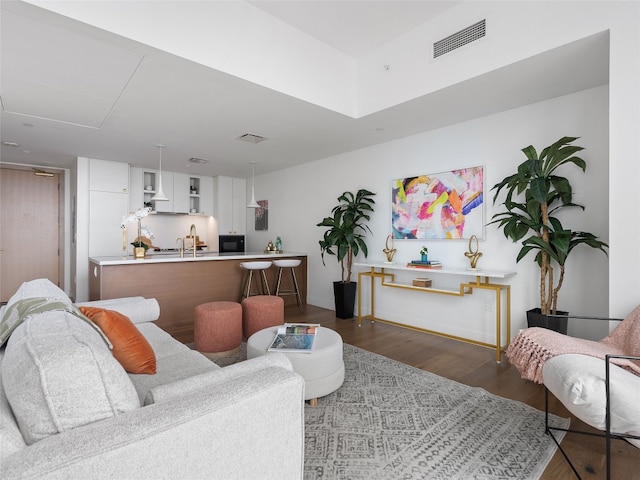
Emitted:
<point x="261" y="311"/>
<point x="217" y="328"/>
<point x="292" y="264"/>
<point x="250" y="267"/>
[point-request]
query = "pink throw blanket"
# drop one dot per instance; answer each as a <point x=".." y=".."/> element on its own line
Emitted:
<point x="534" y="346"/>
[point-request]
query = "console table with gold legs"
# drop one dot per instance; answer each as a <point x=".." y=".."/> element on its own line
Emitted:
<point x="482" y="281"/>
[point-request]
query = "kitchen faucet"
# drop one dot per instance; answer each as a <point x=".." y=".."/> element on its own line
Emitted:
<point x="192" y="234"/>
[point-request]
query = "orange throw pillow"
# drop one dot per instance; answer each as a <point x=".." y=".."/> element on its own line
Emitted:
<point x="130" y="348"/>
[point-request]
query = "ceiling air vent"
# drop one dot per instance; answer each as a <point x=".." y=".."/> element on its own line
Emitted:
<point x="199" y="161"/>
<point x="251" y="138"/>
<point x="458" y="39"/>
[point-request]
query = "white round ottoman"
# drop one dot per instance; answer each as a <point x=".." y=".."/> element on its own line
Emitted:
<point x="322" y="369"/>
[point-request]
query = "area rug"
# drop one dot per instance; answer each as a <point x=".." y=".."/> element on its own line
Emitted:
<point x="238" y="356"/>
<point x="393" y="421"/>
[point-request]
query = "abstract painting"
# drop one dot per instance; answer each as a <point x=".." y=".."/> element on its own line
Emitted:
<point x="447" y="205"/>
<point x="262" y="215"/>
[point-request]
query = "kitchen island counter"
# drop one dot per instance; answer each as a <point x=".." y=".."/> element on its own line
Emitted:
<point x="180" y="284"/>
<point x="170" y="257"/>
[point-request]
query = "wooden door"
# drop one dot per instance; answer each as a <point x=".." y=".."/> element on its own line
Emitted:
<point x="29" y="229"/>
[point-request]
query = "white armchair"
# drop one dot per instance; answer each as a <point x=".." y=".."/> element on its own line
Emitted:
<point x="599" y="382"/>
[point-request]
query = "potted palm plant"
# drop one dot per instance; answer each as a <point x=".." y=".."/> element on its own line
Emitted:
<point x="534" y="195"/>
<point x="344" y="238"/>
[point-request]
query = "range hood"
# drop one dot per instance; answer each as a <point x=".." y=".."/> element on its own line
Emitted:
<point x="169" y="213"/>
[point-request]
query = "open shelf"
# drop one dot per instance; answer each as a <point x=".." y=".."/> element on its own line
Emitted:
<point x="444" y="291"/>
<point x="194" y="195"/>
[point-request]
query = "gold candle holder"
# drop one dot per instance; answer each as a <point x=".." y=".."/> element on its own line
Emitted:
<point x="472" y="255"/>
<point x="389" y="251"/>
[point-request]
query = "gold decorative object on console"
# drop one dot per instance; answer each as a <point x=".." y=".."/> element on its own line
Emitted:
<point x="271" y="248"/>
<point x="139" y="253"/>
<point x="473" y="256"/>
<point x="389" y="251"/>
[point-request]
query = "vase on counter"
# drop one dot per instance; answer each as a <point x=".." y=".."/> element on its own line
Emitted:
<point x="139" y="247"/>
<point x="139" y="250"/>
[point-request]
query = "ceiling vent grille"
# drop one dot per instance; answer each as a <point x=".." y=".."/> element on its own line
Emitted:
<point x="251" y="138"/>
<point x="458" y="39"/>
<point x="199" y="161"/>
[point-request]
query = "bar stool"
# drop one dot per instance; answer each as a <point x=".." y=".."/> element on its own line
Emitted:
<point x="250" y="267"/>
<point x="292" y="264"/>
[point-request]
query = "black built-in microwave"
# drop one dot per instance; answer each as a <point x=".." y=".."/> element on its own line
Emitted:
<point x="231" y="244"/>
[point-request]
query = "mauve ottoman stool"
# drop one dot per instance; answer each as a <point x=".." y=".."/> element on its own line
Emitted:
<point x="217" y="328"/>
<point x="261" y="311"/>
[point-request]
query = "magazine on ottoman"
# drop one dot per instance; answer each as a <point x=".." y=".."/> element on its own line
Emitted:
<point x="294" y="337"/>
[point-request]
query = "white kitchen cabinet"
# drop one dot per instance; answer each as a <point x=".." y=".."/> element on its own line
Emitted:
<point x="178" y="188"/>
<point x="181" y="193"/>
<point x="231" y="205"/>
<point x="105" y="221"/>
<point x="136" y="192"/>
<point x="108" y="203"/>
<point x="206" y="196"/>
<point x="106" y="176"/>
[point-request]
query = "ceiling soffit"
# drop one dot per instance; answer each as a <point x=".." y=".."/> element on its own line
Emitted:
<point x="68" y="77"/>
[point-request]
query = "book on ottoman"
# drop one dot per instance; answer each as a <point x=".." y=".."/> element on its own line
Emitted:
<point x="421" y="282"/>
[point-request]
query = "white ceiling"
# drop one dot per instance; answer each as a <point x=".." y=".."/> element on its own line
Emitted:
<point x="70" y="90"/>
<point x="355" y="27"/>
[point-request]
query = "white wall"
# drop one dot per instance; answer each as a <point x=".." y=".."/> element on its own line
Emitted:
<point x="80" y="266"/>
<point x="545" y="26"/>
<point x="515" y="30"/>
<point x="301" y="196"/>
<point x="551" y="24"/>
<point x="624" y="153"/>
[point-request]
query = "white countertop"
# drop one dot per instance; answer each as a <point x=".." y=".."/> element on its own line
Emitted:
<point x="480" y="272"/>
<point x="159" y="257"/>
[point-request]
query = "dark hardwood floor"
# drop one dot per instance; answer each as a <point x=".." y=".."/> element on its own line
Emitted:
<point x="476" y="366"/>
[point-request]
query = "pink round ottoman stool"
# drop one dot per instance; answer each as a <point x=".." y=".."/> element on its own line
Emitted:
<point x="261" y="311"/>
<point x="217" y="327"/>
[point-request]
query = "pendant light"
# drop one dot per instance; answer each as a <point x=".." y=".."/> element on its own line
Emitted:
<point x="160" y="196"/>
<point x="253" y="203"/>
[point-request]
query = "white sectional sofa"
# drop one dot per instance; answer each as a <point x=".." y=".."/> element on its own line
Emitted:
<point x="69" y="410"/>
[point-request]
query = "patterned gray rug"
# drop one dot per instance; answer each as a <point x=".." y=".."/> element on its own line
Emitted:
<point x="392" y="421"/>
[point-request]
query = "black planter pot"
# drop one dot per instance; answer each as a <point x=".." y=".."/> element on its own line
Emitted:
<point x="345" y="298"/>
<point x="536" y="319"/>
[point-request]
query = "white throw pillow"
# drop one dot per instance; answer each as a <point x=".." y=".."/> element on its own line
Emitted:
<point x="59" y="374"/>
<point x="578" y="381"/>
<point x="138" y="309"/>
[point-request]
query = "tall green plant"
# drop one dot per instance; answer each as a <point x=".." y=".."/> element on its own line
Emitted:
<point x="346" y="228"/>
<point x="534" y="195"/>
